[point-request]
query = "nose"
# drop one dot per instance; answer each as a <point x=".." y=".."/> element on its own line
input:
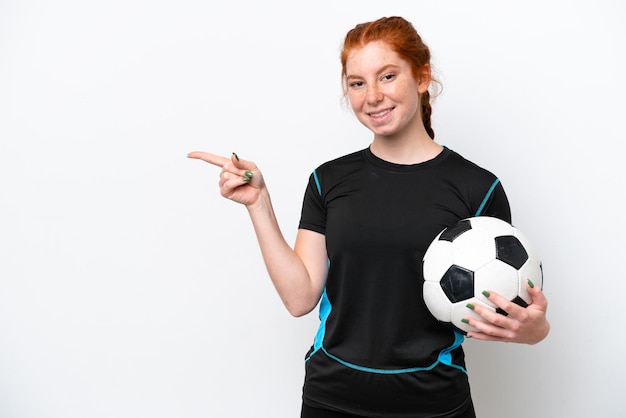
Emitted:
<point x="374" y="95"/>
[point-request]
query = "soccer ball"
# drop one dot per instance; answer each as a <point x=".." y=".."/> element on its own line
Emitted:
<point x="473" y="255"/>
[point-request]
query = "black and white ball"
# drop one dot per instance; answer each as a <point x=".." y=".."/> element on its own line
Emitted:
<point x="473" y="255"/>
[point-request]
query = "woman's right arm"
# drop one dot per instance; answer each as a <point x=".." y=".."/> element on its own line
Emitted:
<point x="298" y="273"/>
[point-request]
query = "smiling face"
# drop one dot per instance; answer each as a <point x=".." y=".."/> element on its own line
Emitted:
<point x="382" y="90"/>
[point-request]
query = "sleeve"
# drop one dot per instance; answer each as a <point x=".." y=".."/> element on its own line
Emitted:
<point x="496" y="203"/>
<point x="313" y="215"/>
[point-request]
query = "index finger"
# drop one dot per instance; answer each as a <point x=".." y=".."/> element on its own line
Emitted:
<point x="209" y="158"/>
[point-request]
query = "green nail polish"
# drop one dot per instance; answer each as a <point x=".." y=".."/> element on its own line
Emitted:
<point x="465" y="321"/>
<point x="246" y="178"/>
<point x="486" y="294"/>
<point x="531" y="284"/>
<point x="470" y="306"/>
<point x="249" y="174"/>
<point x="236" y="156"/>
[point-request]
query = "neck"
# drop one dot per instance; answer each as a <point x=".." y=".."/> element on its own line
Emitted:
<point x="414" y="150"/>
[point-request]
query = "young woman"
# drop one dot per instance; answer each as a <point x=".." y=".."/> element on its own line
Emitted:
<point x="366" y="221"/>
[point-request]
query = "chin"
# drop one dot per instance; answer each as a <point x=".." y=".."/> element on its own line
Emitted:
<point x="383" y="132"/>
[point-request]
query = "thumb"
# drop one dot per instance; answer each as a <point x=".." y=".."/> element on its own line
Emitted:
<point x="243" y="164"/>
<point x="539" y="299"/>
<point x="248" y="170"/>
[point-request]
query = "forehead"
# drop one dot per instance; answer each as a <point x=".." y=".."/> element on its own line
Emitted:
<point x="372" y="57"/>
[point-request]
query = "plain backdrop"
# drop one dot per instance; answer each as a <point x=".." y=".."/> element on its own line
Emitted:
<point x="129" y="288"/>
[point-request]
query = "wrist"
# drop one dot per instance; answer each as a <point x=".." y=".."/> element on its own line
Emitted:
<point x="261" y="202"/>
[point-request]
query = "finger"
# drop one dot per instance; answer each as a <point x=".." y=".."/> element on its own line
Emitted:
<point x="492" y="316"/>
<point x="229" y="185"/>
<point x="209" y="158"/>
<point x="233" y="174"/>
<point x="245" y="169"/>
<point x="539" y="299"/>
<point x="484" y="337"/>
<point x="484" y="329"/>
<point x="243" y="164"/>
<point x="501" y="302"/>
<point x="486" y="332"/>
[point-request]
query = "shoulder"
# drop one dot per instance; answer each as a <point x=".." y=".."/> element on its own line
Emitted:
<point x="342" y="161"/>
<point x="337" y="171"/>
<point x="482" y="188"/>
<point x="341" y="166"/>
<point x="464" y="167"/>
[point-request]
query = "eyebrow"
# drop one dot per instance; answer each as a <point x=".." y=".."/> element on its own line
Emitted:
<point x="381" y="70"/>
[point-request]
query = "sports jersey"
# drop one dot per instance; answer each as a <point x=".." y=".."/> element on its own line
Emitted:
<point x="378" y="351"/>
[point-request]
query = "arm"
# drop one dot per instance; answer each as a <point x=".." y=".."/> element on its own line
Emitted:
<point x="298" y="274"/>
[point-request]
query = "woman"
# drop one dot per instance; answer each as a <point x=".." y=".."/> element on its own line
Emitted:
<point x="366" y="221"/>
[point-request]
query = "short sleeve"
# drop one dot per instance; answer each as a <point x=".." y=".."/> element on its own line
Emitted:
<point x="313" y="215"/>
<point x="497" y="204"/>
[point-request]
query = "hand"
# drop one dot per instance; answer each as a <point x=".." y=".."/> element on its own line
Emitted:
<point x="522" y="325"/>
<point x="240" y="181"/>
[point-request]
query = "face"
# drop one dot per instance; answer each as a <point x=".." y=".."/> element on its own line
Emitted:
<point x="382" y="90"/>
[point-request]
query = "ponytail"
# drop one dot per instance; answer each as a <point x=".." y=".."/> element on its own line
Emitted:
<point x="427" y="111"/>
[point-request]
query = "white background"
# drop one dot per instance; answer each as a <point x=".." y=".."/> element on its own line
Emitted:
<point x="130" y="288"/>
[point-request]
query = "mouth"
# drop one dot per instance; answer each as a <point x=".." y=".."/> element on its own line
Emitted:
<point x="380" y="116"/>
<point x="380" y="113"/>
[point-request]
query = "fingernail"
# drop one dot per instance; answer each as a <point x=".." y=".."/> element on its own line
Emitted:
<point x="236" y="156"/>
<point x="249" y="174"/>
<point x="246" y="178"/>
<point x="469" y="305"/>
<point x="486" y="294"/>
<point x="531" y="284"/>
<point x="465" y="321"/>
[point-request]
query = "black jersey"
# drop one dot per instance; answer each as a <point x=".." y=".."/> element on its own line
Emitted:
<point x="378" y="351"/>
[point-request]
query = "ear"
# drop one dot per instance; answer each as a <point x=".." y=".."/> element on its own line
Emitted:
<point x="425" y="77"/>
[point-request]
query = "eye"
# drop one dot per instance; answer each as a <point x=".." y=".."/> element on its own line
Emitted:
<point x="388" y="77"/>
<point x="355" y="84"/>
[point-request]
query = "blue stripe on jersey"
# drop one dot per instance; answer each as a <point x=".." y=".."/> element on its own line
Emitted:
<point x="446" y="358"/>
<point x="380" y="371"/>
<point x="487" y="196"/>
<point x="325" y="308"/>
<point x="317" y="182"/>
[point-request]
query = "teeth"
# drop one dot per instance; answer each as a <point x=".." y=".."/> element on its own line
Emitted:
<point x="379" y="114"/>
